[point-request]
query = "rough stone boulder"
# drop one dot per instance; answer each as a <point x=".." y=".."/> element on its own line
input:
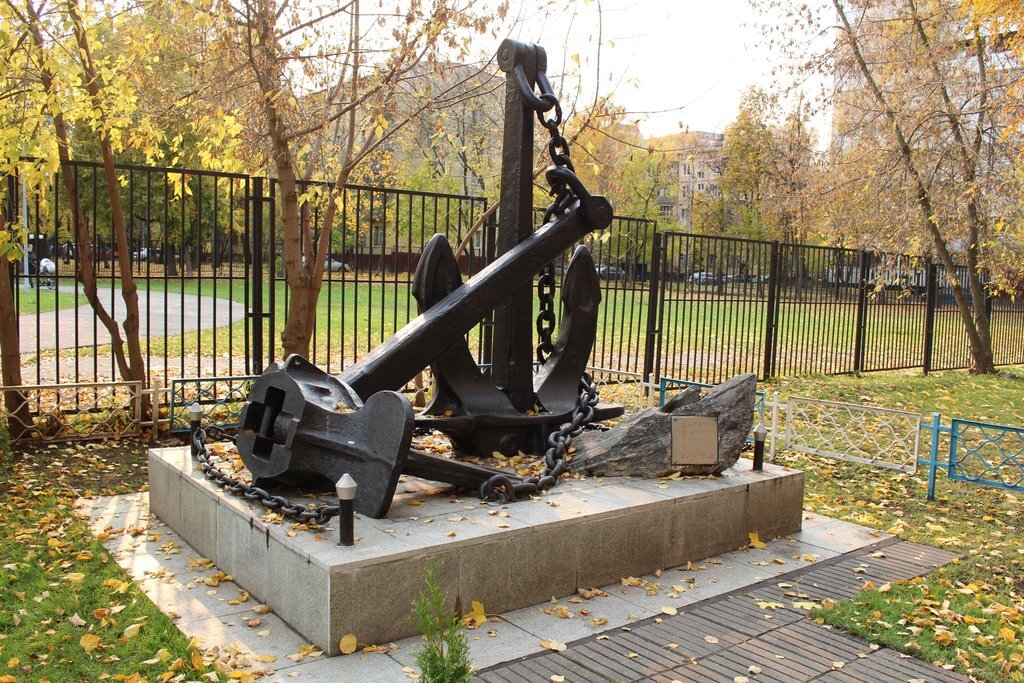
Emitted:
<point x="641" y="445"/>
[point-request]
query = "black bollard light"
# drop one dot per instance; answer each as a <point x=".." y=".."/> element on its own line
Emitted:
<point x="195" y="423"/>
<point x="346" y="488"/>
<point x="760" y="434"/>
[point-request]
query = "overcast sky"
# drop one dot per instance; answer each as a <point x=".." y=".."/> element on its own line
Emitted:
<point x="693" y="58"/>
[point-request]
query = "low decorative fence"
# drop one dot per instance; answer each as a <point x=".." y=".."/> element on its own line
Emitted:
<point x="982" y="453"/>
<point x="221" y="398"/>
<point x="73" y="412"/>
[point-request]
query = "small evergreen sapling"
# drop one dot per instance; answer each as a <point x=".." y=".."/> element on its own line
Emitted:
<point x="444" y="657"/>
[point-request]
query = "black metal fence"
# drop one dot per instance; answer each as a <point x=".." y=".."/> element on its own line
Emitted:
<point x="727" y="306"/>
<point x="207" y="257"/>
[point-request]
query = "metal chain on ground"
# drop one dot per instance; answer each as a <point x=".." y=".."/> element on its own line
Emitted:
<point x="279" y="504"/>
<point x="546" y="314"/>
<point x="502" y="488"/>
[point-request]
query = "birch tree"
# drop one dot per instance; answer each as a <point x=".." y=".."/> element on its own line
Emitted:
<point x="915" y="97"/>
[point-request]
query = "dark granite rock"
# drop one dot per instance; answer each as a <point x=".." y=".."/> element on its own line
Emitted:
<point x="640" y="445"/>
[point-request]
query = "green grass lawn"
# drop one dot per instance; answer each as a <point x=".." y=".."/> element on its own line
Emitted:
<point x="701" y="338"/>
<point x="969" y="614"/>
<point x="68" y="612"/>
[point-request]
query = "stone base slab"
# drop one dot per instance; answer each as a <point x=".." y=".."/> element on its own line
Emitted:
<point x="582" y="534"/>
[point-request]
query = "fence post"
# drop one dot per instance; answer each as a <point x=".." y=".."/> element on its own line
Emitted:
<point x="933" y="461"/>
<point x="930" y="301"/>
<point x="654" y="295"/>
<point x="864" y="260"/>
<point x="256" y="312"/>
<point x="772" y="313"/>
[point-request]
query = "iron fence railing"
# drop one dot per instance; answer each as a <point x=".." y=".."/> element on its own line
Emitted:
<point x="725" y="306"/>
<point x="207" y="261"/>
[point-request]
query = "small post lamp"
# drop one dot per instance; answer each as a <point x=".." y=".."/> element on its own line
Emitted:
<point x="760" y="434"/>
<point x="195" y="423"/>
<point x="346" y="488"/>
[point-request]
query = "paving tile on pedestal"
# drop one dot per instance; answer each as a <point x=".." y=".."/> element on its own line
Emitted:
<point x="242" y="548"/>
<point x="484" y="576"/>
<point x="374" y="602"/>
<point x="298" y="592"/>
<point x="705" y="525"/>
<point x="544" y="563"/>
<point x="198" y="523"/>
<point x="624" y="545"/>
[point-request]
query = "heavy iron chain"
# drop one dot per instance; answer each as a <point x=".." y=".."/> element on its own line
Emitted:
<point x="558" y="150"/>
<point x="546" y="314"/>
<point x="279" y="504"/>
<point x="502" y="488"/>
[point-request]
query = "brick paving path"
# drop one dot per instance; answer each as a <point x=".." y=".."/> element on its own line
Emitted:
<point x="719" y="639"/>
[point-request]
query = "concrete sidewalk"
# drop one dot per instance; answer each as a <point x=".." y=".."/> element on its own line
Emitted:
<point x="160" y="316"/>
<point x="625" y="631"/>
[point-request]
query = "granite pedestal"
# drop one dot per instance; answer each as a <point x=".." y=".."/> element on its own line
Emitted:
<point x="582" y="534"/>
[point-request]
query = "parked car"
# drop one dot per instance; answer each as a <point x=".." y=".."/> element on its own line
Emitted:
<point x="336" y="266"/>
<point x="703" y="278"/>
<point x="610" y="272"/>
<point x="331" y="265"/>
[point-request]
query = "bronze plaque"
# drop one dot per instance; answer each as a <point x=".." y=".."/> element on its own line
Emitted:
<point x="694" y="440"/>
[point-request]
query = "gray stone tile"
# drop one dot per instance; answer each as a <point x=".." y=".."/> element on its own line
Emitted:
<point x="544" y="564"/>
<point x="839" y="536"/>
<point x="674" y="488"/>
<point x="484" y="576"/>
<point x="242" y="550"/>
<point x="623" y="545"/>
<point x="562" y="507"/>
<point x="300" y="593"/>
<point x="375" y="601"/>
<point x="198" y="524"/>
<point x="357" y="667"/>
<point x="706" y="525"/>
<point x="164" y="471"/>
<point x="542" y="626"/>
<point x="456" y="529"/>
<point x="639" y="493"/>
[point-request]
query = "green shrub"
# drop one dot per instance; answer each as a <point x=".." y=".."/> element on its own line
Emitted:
<point x="444" y="657"/>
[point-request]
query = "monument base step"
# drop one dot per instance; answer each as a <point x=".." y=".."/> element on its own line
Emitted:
<point x="582" y="534"/>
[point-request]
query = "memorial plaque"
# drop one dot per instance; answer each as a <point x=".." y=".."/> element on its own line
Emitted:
<point x="694" y="440"/>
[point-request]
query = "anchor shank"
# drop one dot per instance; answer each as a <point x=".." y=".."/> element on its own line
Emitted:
<point x="512" y="349"/>
<point x="396" y="361"/>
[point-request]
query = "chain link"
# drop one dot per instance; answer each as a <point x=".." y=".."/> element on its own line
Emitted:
<point x="502" y="488"/>
<point x="279" y="504"/>
<point x="558" y="150"/>
<point x="546" y="314"/>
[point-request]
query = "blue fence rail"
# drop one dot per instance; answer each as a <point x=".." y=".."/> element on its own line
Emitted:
<point x="670" y="385"/>
<point x="982" y="453"/>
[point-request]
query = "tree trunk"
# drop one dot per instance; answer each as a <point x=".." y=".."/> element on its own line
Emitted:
<point x="170" y="260"/>
<point x="85" y="272"/>
<point x="19" y="420"/>
<point x="974" y="322"/>
<point x="136" y="366"/>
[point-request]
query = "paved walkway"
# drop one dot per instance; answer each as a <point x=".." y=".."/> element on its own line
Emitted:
<point x="161" y="316"/>
<point x="731" y="636"/>
<point x="718" y="633"/>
